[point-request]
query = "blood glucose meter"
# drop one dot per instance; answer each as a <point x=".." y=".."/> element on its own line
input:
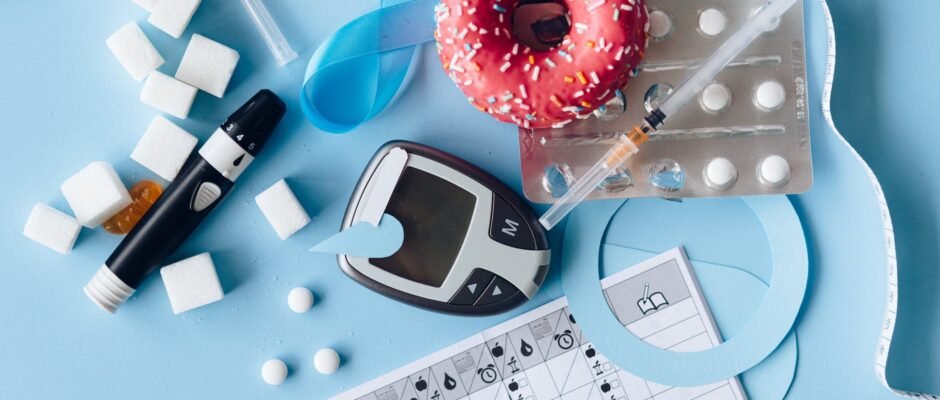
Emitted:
<point x="471" y="246"/>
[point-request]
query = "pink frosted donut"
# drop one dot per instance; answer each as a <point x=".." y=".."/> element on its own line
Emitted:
<point x="539" y="85"/>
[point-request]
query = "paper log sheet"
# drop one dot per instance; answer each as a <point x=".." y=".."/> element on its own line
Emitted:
<point x="542" y="354"/>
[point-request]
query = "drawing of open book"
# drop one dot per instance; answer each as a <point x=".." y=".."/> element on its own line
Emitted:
<point x="651" y="302"/>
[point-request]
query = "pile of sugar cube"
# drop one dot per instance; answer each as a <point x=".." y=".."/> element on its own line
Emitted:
<point x="96" y="193"/>
<point x="206" y="65"/>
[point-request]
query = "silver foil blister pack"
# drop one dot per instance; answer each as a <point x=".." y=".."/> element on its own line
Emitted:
<point x="747" y="133"/>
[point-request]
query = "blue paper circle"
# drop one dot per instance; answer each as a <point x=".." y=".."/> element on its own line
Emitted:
<point x="753" y="343"/>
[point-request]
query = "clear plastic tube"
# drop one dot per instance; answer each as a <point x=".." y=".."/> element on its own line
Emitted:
<point x="628" y="145"/>
<point x="271" y="33"/>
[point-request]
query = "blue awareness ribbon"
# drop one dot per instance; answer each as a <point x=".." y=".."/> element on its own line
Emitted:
<point x="356" y="72"/>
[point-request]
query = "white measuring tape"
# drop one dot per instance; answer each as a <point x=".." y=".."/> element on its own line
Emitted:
<point x="891" y="260"/>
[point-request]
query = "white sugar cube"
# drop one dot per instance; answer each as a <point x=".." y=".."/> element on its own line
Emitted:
<point x="191" y="283"/>
<point x="173" y="16"/>
<point x="52" y="228"/>
<point x="167" y="94"/>
<point x="148" y="5"/>
<point x="134" y="51"/>
<point x="95" y="194"/>
<point x="164" y="148"/>
<point x="207" y="65"/>
<point x="282" y="210"/>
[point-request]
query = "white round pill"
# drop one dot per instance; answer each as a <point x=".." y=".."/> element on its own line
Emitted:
<point x="720" y="174"/>
<point x="770" y="95"/>
<point x="660" y="24"/>
<point x="326" y="361"/>
<point x="300" y="300"/>
<point x="712" y="22"/>
<point x="715" y="98"/>
<point x="774" y="171"/>
<point x="274" y="372"/>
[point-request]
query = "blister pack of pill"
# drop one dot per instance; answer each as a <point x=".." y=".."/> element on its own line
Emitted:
<point x="747" y="133"/>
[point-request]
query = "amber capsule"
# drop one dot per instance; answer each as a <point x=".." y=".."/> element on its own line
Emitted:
<point x="143" y="195"/>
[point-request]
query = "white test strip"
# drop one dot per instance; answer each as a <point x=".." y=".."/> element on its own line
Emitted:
<point x="386" y="179"/>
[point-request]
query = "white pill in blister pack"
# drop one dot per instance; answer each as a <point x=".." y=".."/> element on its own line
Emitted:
<point x="770" y="95"/>
<point x="660" y="24"/>
<point x="712" y="22"/>
<point x="715" y="98"/>
<point x="774" y="171"/>
<point x="720" y="174"/>
<point x="755" y="108"/>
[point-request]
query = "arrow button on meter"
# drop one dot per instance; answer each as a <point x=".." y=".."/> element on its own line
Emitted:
<point x="498" y="290"/>
<point x="473" y="288"/>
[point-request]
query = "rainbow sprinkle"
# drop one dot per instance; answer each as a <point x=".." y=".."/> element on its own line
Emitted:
<point x="582" y="78"/>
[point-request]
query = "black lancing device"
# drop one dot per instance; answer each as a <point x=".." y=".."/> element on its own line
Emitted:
<point x="204" y="180"/>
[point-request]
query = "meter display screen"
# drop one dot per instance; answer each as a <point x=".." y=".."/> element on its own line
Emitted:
<point x="435" y="215"/>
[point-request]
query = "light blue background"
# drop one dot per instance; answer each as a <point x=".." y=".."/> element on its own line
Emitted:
<point x="66" y="102"/>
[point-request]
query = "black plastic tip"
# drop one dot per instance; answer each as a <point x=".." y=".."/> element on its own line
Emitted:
<point x="252" y="124"/>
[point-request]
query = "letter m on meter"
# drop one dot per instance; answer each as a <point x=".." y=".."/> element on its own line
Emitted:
<point x="510" y="227"/>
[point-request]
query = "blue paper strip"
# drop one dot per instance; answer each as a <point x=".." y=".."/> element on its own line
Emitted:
<point x="357" y="71"/>
<point x="365" y="240"/>
<point x="585" y="232"/>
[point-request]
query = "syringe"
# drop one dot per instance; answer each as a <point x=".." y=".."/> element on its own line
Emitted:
<point x="629" y="143"/>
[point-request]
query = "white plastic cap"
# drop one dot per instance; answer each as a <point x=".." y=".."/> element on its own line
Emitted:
<point x="107" y="290"/>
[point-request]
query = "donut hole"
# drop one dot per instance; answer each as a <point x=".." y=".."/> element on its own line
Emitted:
<point x="541" y="24"/>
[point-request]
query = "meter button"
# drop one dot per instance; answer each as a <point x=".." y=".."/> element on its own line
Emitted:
<point x="473" y="288"/>
<point x="499" y="290"/>
<point x="509" y="227"/>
